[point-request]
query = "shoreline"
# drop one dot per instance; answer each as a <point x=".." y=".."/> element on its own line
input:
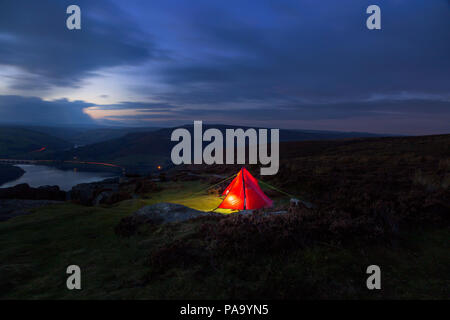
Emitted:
<point x="10" y="173"/>
<point x="42" y="175"/>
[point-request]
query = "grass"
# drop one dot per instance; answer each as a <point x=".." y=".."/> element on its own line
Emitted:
<point x="191" y="194"/>
<point x="36" y="250"/>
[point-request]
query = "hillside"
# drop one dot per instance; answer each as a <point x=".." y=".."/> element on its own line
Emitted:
<point x="377" y="201"/>
<point x="357" y="175"/>
<point x="21" y="142"/>
<point x="176" y="261"/>
<point x="139" y="149"/>
<point x="149" y="149"/>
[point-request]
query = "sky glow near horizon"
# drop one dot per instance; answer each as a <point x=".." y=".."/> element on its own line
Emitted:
<point x="288" y="64"/>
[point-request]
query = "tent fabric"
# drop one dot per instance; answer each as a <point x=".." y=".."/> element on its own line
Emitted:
<point x="244" y="193"/>
<point x="225" y="192"/>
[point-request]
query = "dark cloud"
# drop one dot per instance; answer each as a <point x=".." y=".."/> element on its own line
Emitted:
<point x="316" y="52"/>
<point x="32" y="110"/>
<point x="273" y="62"/>
<point x="343" y="111"/>
<point x="36" y="40"/>
<point x="138" y="105"/>
<point x="391" y="116"/>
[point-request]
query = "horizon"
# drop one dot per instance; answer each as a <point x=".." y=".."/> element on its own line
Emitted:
<point x="291" y="65"/>
<point x="205" y="124"/>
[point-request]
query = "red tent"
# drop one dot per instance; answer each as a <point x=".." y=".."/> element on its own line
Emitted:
<point x="244" y="193"/>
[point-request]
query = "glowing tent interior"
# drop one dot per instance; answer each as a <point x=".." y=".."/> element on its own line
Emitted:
<point x="244" y="193"/>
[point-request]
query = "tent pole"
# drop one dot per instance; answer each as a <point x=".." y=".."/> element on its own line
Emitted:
<point x="243" y="185"/>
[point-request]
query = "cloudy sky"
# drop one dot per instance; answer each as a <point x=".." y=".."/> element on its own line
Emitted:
<point x="302" y="64"/>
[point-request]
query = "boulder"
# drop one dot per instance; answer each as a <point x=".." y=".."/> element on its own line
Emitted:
<point x="102" y="197"/>
<point x="24" y="191"/>
<point x="110" y="197"/>
<point x="164" y="212"/>
<point x="84" y="194"/>
<point x="297" y="203"/>
<point x="89" y="194"/>
<point x="111" y="191"/>
<point x="139" y="185"/>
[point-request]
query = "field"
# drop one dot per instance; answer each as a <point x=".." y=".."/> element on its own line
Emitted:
<point x="376" y="201"/>
<point x="36" y="250"/>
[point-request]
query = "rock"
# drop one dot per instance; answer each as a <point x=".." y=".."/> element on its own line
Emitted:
<point x="24" y="191"/>
<point x="84" y="194"/>
<point x="294" y="202"/>
<point x="164" y="212"/>
<point x="271" y="213"/>
<point x="109" y="197"/>
<point x="111" y="191"/>
<point x="157" y="214"/>
<point x="89" y="194"/>
<point x="146" y="186"/>
<point x="129" y="187"/>
<point x="102" y="197"/>
<point x="139" y="185"/>
<point x="297" y="203"/>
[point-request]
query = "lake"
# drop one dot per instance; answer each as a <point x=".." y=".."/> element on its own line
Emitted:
<point x="36" y="176"/>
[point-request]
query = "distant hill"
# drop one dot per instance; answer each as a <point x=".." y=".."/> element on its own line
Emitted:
<point x="81" y="136"/>
<point x="304" y="135"/>
<point x="137" y="149"/>
<point x="16" y="142"/>
<point x="149" y="149"/>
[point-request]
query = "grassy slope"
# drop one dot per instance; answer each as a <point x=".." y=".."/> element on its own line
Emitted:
<point x="153" y="147"/>
<point x="36" y="249"/>
<point x="15" y="142"/>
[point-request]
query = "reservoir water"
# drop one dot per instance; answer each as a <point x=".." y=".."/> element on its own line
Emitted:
<point x="37" y="175"/>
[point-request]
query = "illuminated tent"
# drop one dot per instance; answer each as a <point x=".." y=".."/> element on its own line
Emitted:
<point x="244" y="193"/>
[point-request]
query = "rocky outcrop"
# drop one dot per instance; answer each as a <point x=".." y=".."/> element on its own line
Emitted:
<point x="24" y="191"/>
<point x="95" y="193"/>
<point x="164" y="212"/>
<point x="111" y="197"/>
<point x="111" y="191"/>
<point x="159" y="213"/>
<point x="139" y="185"/>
